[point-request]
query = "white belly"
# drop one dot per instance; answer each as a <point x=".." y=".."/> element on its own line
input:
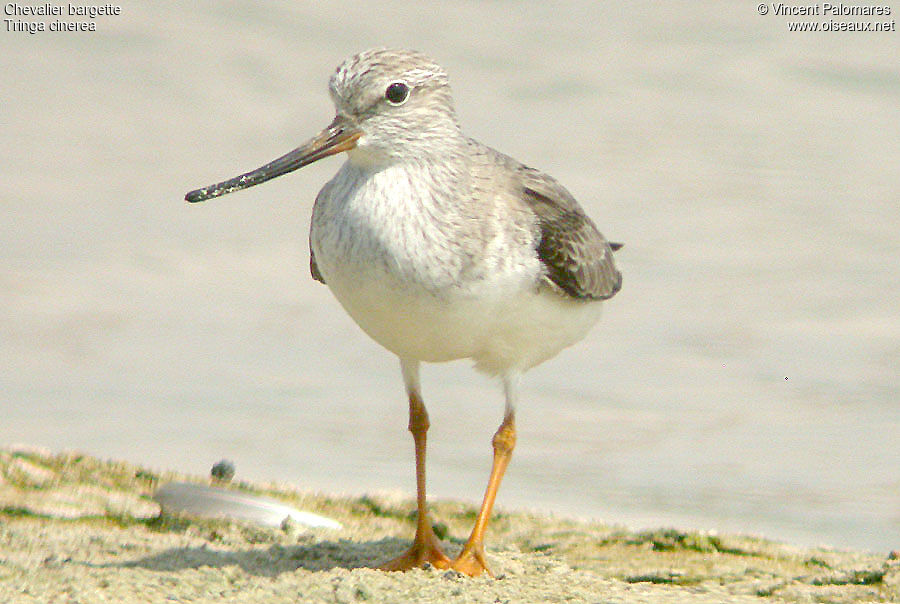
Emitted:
<point x="501" y="331"/>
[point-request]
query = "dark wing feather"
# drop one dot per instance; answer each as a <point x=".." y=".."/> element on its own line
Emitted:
<point x="314" y="268"/>
<point x="578" y="259"/>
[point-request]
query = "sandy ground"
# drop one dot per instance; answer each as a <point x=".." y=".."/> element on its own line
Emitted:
<point x="77" y="529"/>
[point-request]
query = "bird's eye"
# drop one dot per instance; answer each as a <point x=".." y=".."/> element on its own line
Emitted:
<point x="397" y="93"/>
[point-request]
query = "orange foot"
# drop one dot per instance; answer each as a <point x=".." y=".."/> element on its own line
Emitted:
<point x="471" y="561"/>
<point x="424" y="549"/>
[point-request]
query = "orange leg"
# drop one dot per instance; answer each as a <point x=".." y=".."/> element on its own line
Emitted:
<point x="425" y="547"/>
<point x="471" y="560"/>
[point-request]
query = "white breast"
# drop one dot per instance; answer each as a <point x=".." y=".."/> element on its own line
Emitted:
<point x="433" y="282"/>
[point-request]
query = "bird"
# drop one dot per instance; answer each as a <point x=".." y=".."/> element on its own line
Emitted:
<point x="441" y="248"/>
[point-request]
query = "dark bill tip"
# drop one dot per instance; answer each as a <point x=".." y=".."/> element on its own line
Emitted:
<point x="200" y="195"/>
<point x="217" y="190"/>
<point x="195" y="196"/>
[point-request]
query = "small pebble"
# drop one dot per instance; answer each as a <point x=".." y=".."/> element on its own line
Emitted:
<point x="223" y="471"/>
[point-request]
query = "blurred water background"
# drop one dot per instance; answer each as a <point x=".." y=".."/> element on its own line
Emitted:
<point x="745" y="379"/>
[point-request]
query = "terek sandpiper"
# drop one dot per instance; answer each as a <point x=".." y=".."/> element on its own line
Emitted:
<point x="441" y="248"/>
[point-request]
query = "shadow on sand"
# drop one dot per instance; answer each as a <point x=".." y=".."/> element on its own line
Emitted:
<point x="274" y="559"/>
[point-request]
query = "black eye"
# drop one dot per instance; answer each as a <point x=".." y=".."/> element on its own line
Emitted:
<point x="397" y="93"/>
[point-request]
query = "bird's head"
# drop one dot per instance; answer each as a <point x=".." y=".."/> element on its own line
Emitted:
<point x="398" y="101"/>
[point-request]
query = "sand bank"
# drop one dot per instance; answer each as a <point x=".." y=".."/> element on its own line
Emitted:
<point x="74" y="528"/>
